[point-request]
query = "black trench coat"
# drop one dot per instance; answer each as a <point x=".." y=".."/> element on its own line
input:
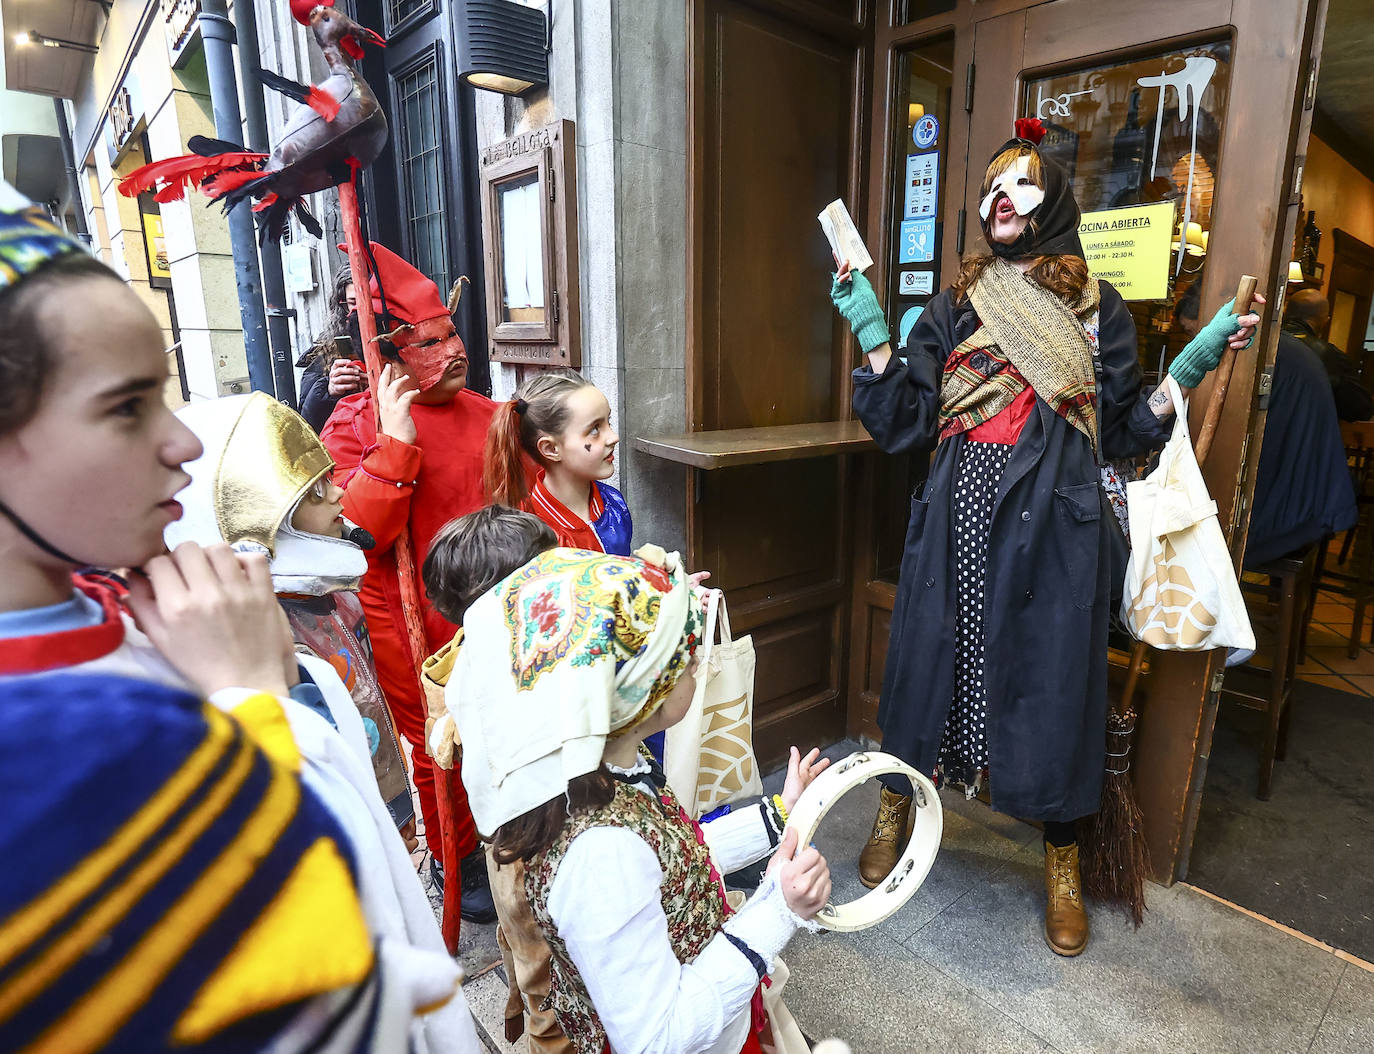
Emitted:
<point x="1049" y="571"/>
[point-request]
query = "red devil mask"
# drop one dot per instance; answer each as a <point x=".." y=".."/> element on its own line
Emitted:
<point x="426" y="339"/>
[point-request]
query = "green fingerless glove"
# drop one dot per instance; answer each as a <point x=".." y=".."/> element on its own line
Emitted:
<point x="857" y="302"/>
<point x="1200" y="355"/>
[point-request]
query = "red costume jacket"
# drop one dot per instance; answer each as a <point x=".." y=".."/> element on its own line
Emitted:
<point x="440" y="479"/>
<point x="388" y="484"/>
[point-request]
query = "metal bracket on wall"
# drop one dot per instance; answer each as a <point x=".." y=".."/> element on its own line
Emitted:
<point x="959" y="234"/>
<point x="968" y="88"/>
<point x="698" y="485"/>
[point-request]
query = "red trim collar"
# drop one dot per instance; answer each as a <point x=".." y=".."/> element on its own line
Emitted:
<point x="565" y="517"/>
<point x="58" y="651"/>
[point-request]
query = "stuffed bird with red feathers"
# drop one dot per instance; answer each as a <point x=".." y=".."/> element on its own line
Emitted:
<point x="338" y="126"/>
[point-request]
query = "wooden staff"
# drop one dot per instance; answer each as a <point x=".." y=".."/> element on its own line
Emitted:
<point x="404" y="552"/>
<point x="1116" y="867"/>
<point x="1245" y="295"/>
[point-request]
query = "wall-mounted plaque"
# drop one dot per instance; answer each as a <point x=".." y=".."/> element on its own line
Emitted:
<point x="529" y="239"/>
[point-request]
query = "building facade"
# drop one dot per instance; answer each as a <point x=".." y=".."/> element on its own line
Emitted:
<point x="709" y="135"/>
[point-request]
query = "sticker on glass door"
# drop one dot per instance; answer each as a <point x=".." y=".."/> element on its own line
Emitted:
<point x="916" y="241"/>
<point x="915" y="283"/>
<point x="922" y="178"/>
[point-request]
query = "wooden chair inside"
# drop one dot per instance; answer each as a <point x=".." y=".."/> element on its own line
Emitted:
<point x="1353" y="575"/>
<point x="1277" y="593"/>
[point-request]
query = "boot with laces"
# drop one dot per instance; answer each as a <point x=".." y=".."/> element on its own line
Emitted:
<point x="884" y="846"/>
<point x="1066" y="923"/>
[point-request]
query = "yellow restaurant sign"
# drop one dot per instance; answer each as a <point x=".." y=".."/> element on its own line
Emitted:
<point x="1130" y="248"/>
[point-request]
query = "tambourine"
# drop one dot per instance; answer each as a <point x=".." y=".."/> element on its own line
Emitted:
<point x="913" y="865"/>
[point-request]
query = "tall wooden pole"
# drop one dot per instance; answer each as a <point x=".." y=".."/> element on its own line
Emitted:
<point x="404" y="552"/>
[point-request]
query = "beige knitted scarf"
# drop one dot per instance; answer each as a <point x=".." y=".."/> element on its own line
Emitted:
<point x="1039" y="334"/>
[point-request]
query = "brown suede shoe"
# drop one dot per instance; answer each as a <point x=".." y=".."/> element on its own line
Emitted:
<point x="1066" y="923"/>
<point x="884" y="846"/>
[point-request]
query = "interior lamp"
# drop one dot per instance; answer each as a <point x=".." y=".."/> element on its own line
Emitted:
<point x="1295" y="272"/>
<point x="503" y="46"/>
<point x="1196" y="241"/>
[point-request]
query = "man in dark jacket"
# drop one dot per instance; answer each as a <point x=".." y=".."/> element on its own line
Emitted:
<point x="1303" y="491"/>
<point x="1306" y="318"/>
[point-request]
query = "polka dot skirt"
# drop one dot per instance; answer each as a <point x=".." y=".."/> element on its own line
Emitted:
<point x="964" y="745"/>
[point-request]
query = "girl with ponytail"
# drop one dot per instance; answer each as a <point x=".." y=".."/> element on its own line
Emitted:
<point x="563" y="423"/>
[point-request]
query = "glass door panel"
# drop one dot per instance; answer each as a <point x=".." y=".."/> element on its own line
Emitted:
<point x="920" y="138"/>
<point x="1146" y="130"/>
<point x="916" y="183"/>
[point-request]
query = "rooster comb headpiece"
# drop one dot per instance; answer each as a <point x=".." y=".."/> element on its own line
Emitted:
<point x="1030" y="129"/>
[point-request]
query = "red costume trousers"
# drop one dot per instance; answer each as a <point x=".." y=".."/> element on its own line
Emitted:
<point x="401" y="686"/>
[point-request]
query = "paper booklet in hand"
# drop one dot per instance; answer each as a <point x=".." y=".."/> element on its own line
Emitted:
<point x="844" y="238"/>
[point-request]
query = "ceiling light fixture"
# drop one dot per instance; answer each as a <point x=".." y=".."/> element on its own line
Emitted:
<point x="31" y="37"/>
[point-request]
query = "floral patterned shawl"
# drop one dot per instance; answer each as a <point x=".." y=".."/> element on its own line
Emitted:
<point x="571" y="649"/>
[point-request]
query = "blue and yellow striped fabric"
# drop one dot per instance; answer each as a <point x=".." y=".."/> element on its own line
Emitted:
<point x="164" y="885"/>
<point x="28" y="240"/>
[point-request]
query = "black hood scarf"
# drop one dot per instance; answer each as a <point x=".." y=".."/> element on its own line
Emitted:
<point x="1052" y="226"/>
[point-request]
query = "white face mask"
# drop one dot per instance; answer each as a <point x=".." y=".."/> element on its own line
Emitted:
<point x="1017" y="185"/>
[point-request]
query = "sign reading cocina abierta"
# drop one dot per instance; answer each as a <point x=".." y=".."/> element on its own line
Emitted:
<point x="1130" y="248"/>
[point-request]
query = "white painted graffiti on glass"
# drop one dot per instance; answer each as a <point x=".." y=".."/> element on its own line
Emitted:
<point x="1188" y="83"/>
<point x="1058" y="104"/>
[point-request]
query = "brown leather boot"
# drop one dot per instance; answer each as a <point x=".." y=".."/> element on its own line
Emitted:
<point x="1066" y="923"/>
<point x="884" y="846"/>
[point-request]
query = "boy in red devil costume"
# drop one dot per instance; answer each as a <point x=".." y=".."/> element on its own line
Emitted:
<point x="424" y="470"/>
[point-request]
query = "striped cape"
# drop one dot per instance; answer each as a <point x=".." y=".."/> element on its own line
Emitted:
<point x="166" y="885"/>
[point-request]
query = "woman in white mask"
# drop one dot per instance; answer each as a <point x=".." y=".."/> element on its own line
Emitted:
<point x="1023" y="377"/>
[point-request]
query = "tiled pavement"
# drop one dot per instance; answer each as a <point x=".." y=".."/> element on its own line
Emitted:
<point x="1327" y="638"/>
<point x="964" y="968"/>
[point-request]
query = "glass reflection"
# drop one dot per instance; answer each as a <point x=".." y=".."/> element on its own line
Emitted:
<point x="522" y="250"/>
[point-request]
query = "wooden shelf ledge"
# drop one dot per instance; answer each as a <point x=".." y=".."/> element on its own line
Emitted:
<point x="731" y="447"/>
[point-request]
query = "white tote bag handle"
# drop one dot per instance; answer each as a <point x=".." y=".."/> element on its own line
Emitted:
<point x="715" y="611"/>
<point x="726" y="637"/>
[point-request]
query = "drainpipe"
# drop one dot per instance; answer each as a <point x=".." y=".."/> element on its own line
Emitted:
<point x="64" y="133"/>
<point x="273" y="283"/>
<point x="217" y="33"/>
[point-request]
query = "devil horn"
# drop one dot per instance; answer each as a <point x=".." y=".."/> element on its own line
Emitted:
<point x="456" y="293"/>
<point x="393" y="334"/>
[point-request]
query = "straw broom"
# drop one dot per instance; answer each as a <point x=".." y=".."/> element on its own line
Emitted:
<point x="1115" y="868"/>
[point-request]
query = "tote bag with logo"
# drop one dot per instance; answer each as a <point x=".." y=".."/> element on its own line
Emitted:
<point x="708" y="756"/>
<point x="1181" y="592"/>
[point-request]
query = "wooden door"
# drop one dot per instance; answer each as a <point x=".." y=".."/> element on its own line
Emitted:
<point x="1110" y="79"/>
<point x="920" y="122"/>
<point x="777" y="102"/>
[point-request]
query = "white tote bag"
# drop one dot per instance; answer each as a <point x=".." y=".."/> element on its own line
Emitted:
<point x="1181" y="591"/>
<point x="708" y="756"/>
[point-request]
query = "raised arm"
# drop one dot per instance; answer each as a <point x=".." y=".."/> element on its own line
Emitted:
<point x="377" y="472"/>
<point x="898" y="398"/>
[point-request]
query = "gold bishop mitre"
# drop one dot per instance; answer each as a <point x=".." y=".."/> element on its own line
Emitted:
<point x="271" y="458"/>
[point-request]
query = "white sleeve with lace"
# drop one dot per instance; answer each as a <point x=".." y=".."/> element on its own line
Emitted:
<point x="605" y="903"/>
